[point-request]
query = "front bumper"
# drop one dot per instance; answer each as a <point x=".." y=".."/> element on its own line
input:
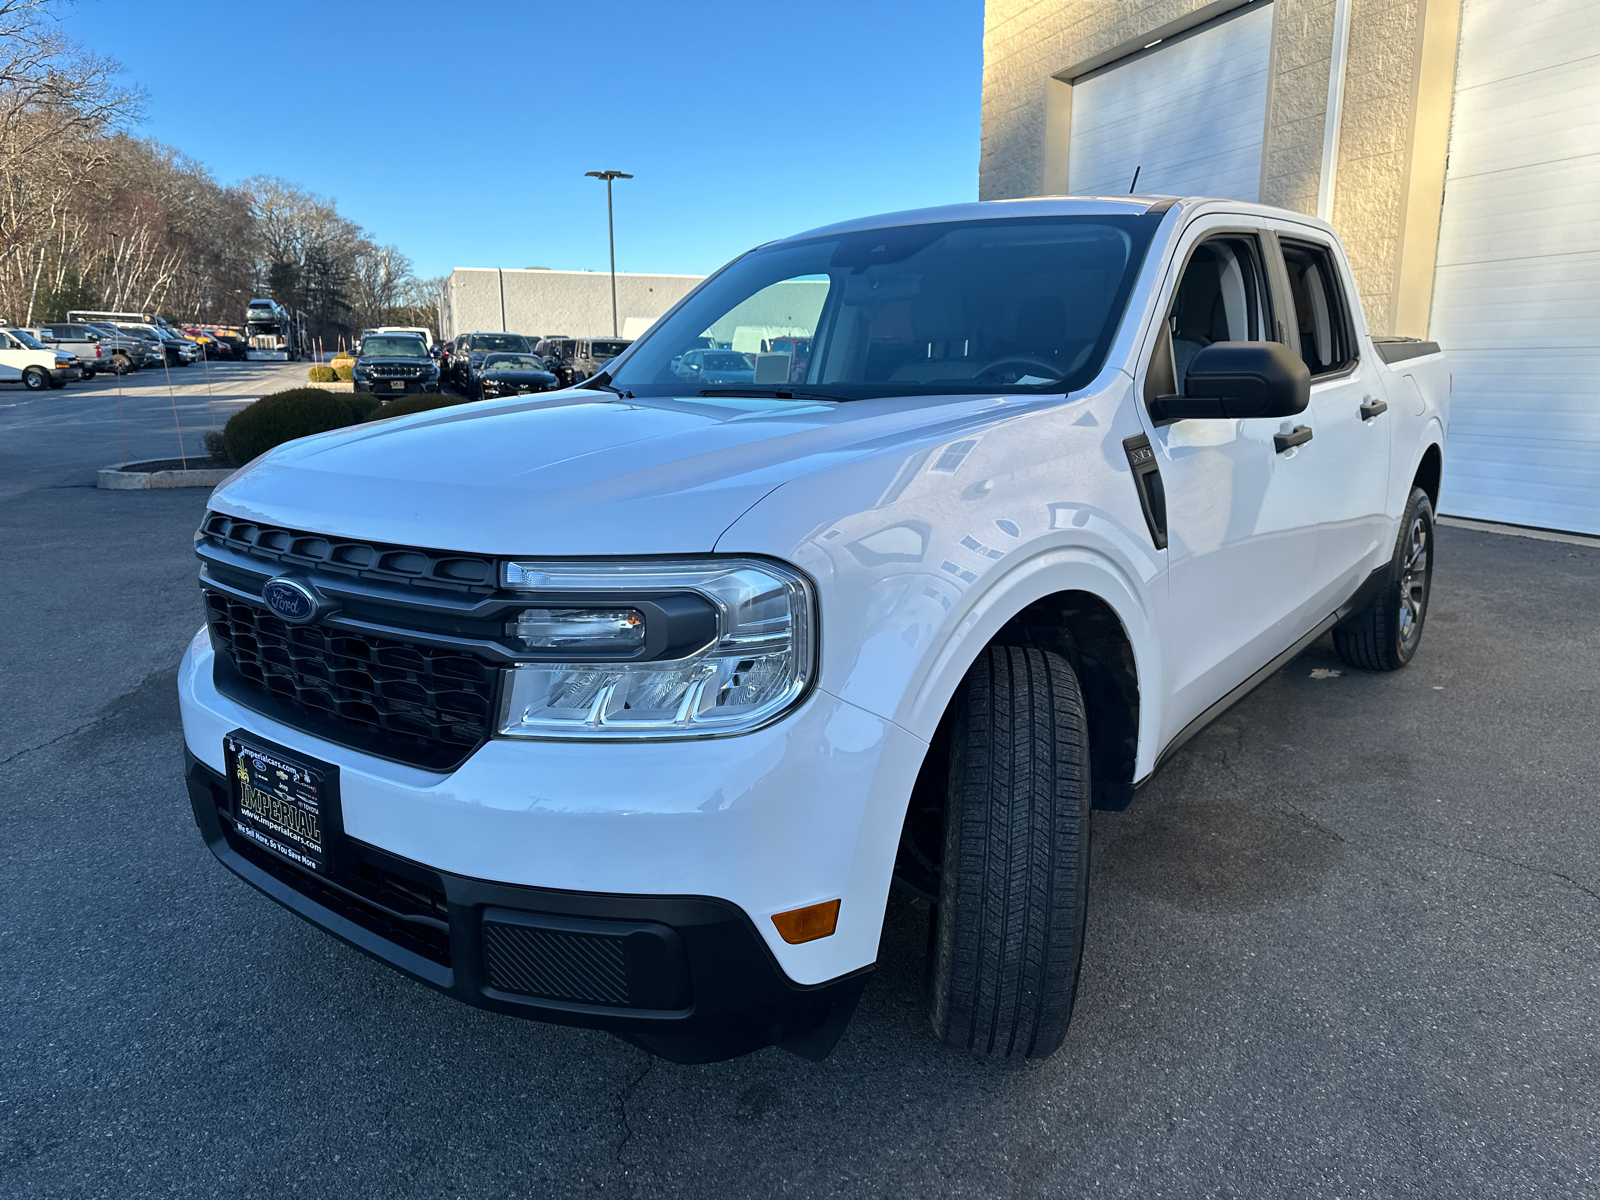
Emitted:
<point x="737" y="829"/>
<point x="686" y="977"/>
<point x="66" y="374"/>
<point x="387" y="387"/>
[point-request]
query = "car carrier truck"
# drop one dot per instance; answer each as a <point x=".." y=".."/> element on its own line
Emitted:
<point x="274" y="333"/>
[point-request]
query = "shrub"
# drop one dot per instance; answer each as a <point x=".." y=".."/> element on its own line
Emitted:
<point x="320" y="374"/>
<point x="214" y="444"/>
<point x="345" y="370"/>
<point x="282" y="417"/>
<point x="363" y="406"/>
<point x="419" y="402"/>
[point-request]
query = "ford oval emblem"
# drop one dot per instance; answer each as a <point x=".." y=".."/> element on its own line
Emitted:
<point x="294" y="602"/>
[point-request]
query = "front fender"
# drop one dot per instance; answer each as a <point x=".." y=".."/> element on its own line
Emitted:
<point x="1046" y="573"/>
<point x="923" y="549"/>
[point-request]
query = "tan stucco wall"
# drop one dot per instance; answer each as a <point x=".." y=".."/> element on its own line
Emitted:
<point x="1381" y="201"/>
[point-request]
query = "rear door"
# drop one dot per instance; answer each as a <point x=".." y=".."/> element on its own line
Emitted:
<point x="1241" y="524"/>
<point x="1349" y="460"/>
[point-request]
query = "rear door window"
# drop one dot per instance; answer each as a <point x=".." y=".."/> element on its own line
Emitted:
<point x="1323" y="332"/>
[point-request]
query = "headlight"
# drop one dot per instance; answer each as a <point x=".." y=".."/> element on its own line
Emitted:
<point x="657" y="650"/>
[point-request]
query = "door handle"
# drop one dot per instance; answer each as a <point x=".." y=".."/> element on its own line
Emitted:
<point x="1372" y="407"/>
<point x="1286" y="441"/>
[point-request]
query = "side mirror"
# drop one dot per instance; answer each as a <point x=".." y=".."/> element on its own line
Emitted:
<point x="1239" y="379"/>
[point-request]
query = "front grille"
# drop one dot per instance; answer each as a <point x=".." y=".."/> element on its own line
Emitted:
<point x="368" y="560"/>
<point x="556" y="965"/>
<point x="425" y="706"/>
<point x="386" y="371"/>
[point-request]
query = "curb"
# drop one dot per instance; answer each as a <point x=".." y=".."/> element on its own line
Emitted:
<point x="343" y="385"/>
<point x="115" y="479"/>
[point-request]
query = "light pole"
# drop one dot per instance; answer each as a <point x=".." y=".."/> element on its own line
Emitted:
<point x="611" y="235"/>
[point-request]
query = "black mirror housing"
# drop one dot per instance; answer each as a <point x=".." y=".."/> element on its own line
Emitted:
<point x="1239" y="379"/>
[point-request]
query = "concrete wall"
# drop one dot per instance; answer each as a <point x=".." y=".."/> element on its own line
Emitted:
<point x="1388" y="179"/>
<point x="572" y="303"/>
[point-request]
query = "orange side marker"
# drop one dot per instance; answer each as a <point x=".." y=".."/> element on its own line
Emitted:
<point x="809" y="923"/>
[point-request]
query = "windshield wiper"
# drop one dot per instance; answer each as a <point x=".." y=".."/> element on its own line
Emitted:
<point x="602" y="382"/>
<point x="781" y="393"/>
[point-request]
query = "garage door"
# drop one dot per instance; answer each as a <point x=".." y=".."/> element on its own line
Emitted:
<point x="1516" y="297"/>
<point x="1188" y="114"/>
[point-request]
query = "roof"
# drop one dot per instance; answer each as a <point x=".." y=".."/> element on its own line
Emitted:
<point x="1031" y="206"/>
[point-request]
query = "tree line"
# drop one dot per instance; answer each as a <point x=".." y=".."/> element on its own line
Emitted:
<point x="94" y="217"/>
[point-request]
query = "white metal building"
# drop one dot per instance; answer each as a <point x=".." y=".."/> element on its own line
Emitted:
<point x="570" y="303"/>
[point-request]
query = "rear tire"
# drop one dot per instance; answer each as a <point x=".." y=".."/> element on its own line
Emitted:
<point x="1013" y="890"/>
<point x="1385" y="634"/>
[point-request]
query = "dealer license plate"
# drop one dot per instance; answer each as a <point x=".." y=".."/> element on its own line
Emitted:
<point x="285" y="804"/>
<point x="399" y="385"/>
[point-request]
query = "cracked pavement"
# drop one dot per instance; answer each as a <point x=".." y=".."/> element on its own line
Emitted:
<point x="1344" y="945"/>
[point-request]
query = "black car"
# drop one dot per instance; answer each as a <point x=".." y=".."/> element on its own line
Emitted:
<point x="389" y="364"/>
<point x="469" y="349"/>
<point x="510" y="375"/>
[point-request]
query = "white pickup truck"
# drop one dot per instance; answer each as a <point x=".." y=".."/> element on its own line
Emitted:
<point x="625" y="706"/>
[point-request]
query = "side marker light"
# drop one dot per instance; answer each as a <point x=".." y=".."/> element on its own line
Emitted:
<point x="809" y="923"/>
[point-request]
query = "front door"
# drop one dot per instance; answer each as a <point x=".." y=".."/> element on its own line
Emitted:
<point x="1241" y="533"/>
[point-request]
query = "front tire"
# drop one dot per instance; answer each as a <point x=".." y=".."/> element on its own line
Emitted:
<point x="1013" y="890"/>
<point x="1385" y="634"/>
<point x="35" y="380"/>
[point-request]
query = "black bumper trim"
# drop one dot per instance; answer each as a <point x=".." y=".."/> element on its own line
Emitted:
<point x="709" y="987"/>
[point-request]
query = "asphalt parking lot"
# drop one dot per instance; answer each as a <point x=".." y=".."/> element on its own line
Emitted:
<point x="1344" y="945"/>
<point x="50" y="439"/>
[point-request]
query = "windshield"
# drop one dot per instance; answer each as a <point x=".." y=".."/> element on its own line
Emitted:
<point x="398" y="346"/>
<point x="27" y="339"/>
<point x="500" y="341"/>
<point x="512" y="362"/>
<point x="1013" y="305"/>
<point x="139" y="332"/>
<point x="725" y="362"/>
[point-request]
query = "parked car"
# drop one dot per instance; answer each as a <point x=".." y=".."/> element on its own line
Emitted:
<point x="389" y="364"/>
<point x="176" y="350"/>
<point x="510" y="375"/>
<point x="699" y="367"/>
<point x="590" y="355"/>
<point x="26" y="360"/>
<point x="576" y="359"/>
<point x="229" y="346"/>
<point x="469" y="349"/>
<point x="95" y="349"/>
<point x="140" y="350"/>
<point x="210" y="349"/>
<point x="623" y="712"/>
<point x="156" y="351"/>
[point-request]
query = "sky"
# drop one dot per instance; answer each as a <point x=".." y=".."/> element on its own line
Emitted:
<point x="461" y="132"/>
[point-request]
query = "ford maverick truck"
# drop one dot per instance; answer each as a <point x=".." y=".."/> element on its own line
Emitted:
<point x="625" y="706"/>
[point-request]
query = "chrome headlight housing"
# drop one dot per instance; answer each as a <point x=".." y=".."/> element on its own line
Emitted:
<point x="657" y="650"/>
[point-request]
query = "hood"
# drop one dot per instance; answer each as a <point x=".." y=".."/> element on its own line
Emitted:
<point x="576" y="472"/>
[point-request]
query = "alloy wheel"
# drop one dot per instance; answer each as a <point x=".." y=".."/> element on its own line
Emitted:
<point x="1414" y="577"/>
